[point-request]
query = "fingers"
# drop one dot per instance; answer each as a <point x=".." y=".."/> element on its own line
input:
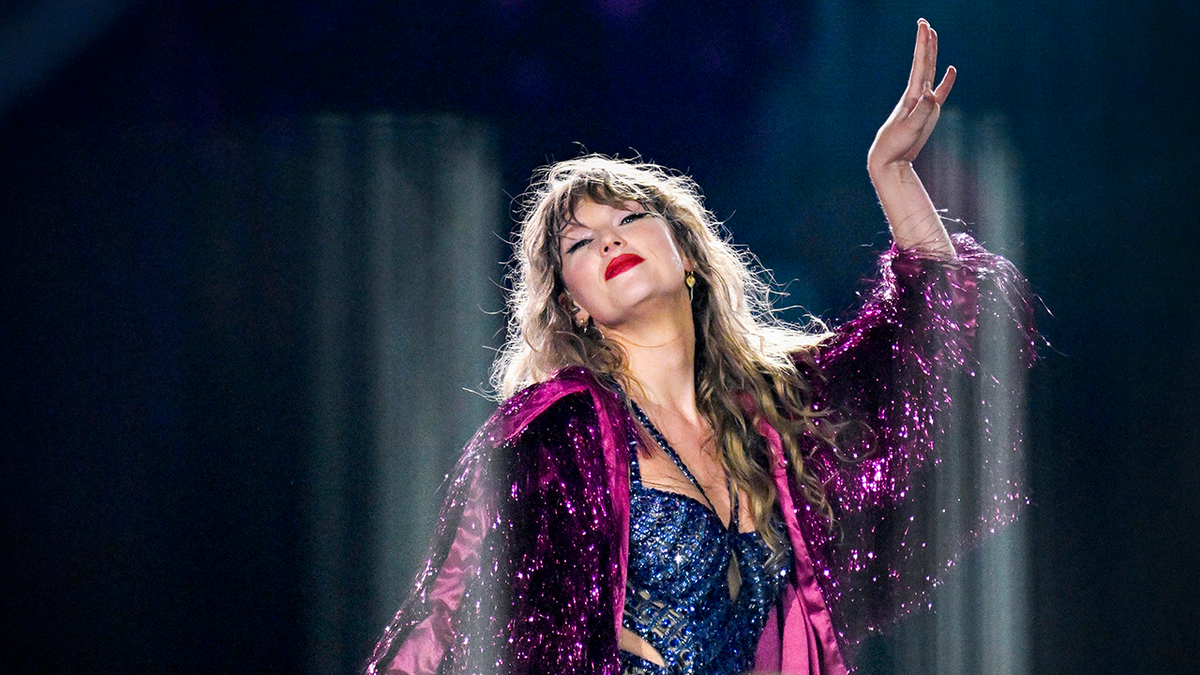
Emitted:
<point x="932" y="99"/>
<point x="920" y="80"/>
<point x="916" y="76"/>
<point x="912" y="120"/>
<point x="943" y="89"/>
<point x="930" y="52"/>
<point x="947" y="83"/>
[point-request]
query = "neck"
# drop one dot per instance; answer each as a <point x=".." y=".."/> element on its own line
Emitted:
<point x="661" y="359"/>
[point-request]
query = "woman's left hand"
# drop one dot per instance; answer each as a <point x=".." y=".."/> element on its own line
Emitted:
<point x="902" y="136"/>
<point x="914" y="221"/>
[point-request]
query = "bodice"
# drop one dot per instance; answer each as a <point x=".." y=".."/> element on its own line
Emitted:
<point x="678" y="591"/>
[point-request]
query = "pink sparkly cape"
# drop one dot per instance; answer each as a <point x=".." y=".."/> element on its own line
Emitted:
<point x="526" y="570"/>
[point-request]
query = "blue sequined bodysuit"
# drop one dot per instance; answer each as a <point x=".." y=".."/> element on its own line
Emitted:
<point x="678" y="594"/>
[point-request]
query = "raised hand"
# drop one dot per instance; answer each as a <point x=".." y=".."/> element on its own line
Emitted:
<point x="902" y="136"/>
<point x="914" y="220"/>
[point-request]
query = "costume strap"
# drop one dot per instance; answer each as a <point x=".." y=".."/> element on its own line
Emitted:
<point x="661" y="440"/>
<point x="635" y="470"/>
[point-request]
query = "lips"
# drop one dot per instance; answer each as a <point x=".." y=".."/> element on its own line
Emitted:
<point x="622" y="263"/>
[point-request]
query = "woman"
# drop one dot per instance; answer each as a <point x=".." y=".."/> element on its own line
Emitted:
<point x="678" y="483"/>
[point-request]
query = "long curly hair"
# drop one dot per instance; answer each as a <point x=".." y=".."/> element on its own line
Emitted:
<point x="742" y="348"/>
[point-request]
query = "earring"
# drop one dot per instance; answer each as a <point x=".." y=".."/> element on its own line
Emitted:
<point x="566" y="302"/>
<point x="690" y="281"/>
<point x="575" y="309"/>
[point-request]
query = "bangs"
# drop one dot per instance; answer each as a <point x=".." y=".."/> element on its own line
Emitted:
<point x="602" y="187"/>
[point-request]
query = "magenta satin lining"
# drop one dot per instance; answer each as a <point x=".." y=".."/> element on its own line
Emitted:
<point x="618" y="481"/>
<point x="805" y="614"/>
<point x="426" y="645"/>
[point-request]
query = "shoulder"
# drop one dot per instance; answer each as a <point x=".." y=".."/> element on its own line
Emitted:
<point x="578" y="384"/>
<point x="563" y="436"/>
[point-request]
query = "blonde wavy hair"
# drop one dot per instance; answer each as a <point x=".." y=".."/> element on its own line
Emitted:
<point x="741" y="346"/>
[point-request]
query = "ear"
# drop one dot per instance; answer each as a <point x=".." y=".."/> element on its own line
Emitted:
<point x="579" y="315"/>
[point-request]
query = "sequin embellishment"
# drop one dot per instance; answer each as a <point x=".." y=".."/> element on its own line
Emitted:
<point x="678" y="595"/>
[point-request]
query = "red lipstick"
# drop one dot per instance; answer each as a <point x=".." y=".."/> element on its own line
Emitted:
<point x="622" y="263"/>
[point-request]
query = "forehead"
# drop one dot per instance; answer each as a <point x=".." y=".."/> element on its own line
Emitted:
<point x="584" y="210"/>
<point x="599" y="189"/>
<point x="588" y="213"/>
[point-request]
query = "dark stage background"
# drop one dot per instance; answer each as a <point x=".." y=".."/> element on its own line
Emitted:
<point x="166" y="272"/>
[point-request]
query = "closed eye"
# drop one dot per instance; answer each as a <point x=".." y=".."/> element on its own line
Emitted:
<point x="579" y="243"/>
<point x="635" y="216"/>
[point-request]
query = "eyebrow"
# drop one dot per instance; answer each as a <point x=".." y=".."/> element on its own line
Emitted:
<point x="569" y="225"/>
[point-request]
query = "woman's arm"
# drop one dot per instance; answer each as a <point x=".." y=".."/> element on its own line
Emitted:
<point x="524" y="575"/>
<point x="906" y="377"/>
<point x="910" y="213"/>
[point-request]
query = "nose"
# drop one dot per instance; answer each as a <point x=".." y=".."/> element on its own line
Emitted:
<point x="610" y="240"/>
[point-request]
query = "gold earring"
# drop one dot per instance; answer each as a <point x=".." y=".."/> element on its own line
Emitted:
<point x="690" y="281"/>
